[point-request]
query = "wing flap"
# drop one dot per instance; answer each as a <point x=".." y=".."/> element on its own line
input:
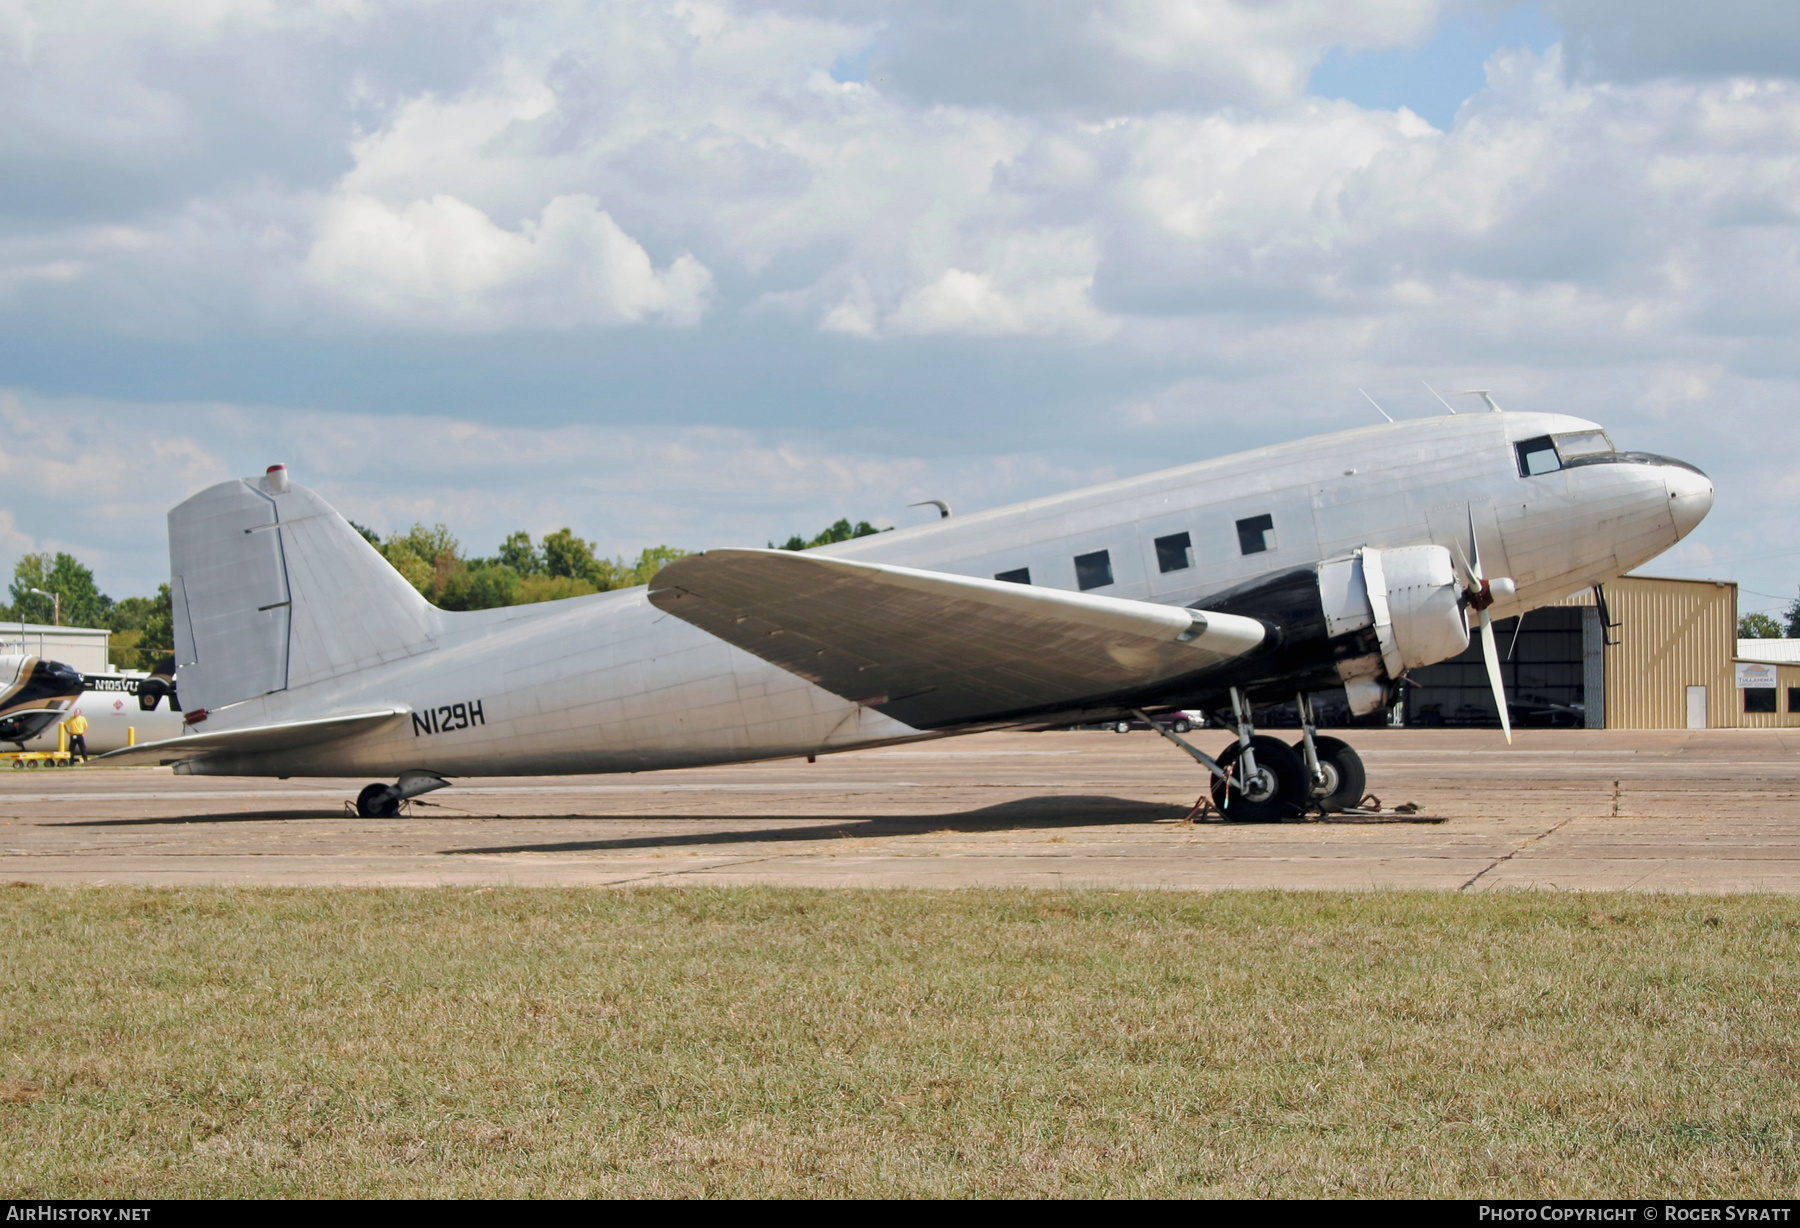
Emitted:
<point x="933" y="649"/>
<point x="288" y="735"/>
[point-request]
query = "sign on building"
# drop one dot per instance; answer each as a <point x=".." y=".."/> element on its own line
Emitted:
<point x="1754" y="675"/>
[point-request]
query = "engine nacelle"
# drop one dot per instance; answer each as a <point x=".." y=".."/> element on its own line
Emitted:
<point x="1411" y="598"/>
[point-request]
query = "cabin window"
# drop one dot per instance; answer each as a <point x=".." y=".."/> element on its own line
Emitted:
<point x="1093" y="570"/>
<point x="1537" y="456"/>
<point x="1256" y="534"/>
<point x="1019" y="575"/>
<point x="1759" y="699"/>
<point x="1582" y="443"/>
<point x="1174" y="552"/>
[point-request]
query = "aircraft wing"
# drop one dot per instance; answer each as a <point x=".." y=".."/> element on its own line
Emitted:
<point x="287" y="735"/>
<point x="937" y="650"/>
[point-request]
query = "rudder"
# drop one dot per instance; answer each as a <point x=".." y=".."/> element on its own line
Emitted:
<point x="273" y="590"/>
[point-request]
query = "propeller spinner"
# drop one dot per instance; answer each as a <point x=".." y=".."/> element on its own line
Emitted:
<point x="1480" y="593"/>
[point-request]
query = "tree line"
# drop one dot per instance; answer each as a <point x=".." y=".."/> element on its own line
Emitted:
<point x="1765" y="627"/>
<point x="520" y="572"/>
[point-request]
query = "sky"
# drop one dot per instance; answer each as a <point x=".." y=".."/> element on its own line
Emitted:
<point x="710" y="273"/>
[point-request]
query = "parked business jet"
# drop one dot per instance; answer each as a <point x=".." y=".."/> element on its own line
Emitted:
<point x="1334" y="564"/>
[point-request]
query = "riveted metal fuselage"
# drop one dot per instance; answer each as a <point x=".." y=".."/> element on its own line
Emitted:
<point x="610" y="683"/>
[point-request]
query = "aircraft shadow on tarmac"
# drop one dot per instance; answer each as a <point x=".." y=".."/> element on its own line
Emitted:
<point x="237" y="816"/>
<point x="1025" y="813"/>
<point x="1042" y="813"/>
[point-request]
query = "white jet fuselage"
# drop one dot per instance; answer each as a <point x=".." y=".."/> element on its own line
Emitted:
<point x="611" y="683"/>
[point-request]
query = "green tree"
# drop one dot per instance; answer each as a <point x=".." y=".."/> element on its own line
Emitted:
<point x="520" y="573"/>
<point x="426" y="557"/>
<point x="1791" y="617"/>
<point x="841" y="531"/>
<point x="480" y="585"/>
<point x="533" y="589"/>
<point x="569" y="556"/>
<point x="518" y="553"/>
<point x="143" y="630"/>
<point x="83" y="604"/>
<point x="653" y="560"/>
<point x="1758" y="627"/>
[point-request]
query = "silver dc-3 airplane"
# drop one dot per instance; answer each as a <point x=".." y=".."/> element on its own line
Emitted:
<point x="1329" y="565"/>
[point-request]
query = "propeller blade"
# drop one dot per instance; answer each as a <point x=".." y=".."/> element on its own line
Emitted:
<point x="1491" y="655"/>
<point x="1473" y="582"/>
<point x="1474" y="550"/>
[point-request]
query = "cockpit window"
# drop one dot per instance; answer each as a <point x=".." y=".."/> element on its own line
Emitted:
<point x="1582" y="443"/>
<point x="1537" y="456"/>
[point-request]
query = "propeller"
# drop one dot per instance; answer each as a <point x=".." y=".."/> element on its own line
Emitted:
<point x="1478" y="595"/>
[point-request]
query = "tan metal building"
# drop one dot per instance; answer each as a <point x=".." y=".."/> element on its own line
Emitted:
<point x="1671" y="662"/>
<point x="1663" y="655"/>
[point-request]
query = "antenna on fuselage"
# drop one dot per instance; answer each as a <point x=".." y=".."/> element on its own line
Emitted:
<point x="1441" y="401"/>
<point x="1483" y="393"/>
<point x="1376" y="404"/>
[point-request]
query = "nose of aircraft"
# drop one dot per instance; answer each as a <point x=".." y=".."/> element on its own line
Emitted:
<point x="1690" y="496"/>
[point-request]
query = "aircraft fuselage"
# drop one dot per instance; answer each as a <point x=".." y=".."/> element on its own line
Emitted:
<point x="610" y="683"/>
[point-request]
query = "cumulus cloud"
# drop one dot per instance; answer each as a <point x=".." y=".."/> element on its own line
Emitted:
<point x="84" y="475"/>
<point x="443" y="262"/>
<point x="1634" y="40"/>
<point x="1075" y="57"/>
<point x="1089" y="226"/>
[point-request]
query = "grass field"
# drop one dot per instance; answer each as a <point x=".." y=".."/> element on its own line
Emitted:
<point x="780" y="1042"/>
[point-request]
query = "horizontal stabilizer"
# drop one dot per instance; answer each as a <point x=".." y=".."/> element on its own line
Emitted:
<point x="289" y="735"/>
<point x="936" y="650"/>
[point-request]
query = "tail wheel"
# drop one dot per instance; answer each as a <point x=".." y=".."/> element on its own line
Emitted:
<point x="377" y="801"/>
<point x="1278" y="791"/>
<point x="1345" y="780"/>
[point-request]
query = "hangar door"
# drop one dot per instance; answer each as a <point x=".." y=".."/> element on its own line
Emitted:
<point x="1542" y="668"/>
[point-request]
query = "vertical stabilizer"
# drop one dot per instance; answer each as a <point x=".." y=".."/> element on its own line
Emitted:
<point x="274" y="590"/>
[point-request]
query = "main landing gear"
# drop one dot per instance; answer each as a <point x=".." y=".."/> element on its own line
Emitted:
<point x="1261" y="779"/>
<point x="379" y="801"/>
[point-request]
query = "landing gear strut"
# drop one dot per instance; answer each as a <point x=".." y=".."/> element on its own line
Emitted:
<point x="1335" y="775"/>
<point x="379" y="801"/>
<point x="1260" y="779"/>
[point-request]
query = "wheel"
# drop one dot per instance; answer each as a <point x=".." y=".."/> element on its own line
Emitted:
<point x="1122" y="727"/>
<point x="1181" y="726"/>
<point x="17" y="764"/>
<point x="1345" y="780"/>
<point x="1279" y="790"/>
<point x="377" y="802"/>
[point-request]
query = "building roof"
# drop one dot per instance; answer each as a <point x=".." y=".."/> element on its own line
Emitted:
<point x="1785" y="652"/>
<point x="16" y="628"/>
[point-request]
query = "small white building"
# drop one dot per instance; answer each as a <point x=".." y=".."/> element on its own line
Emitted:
<point x="1778" y="652"/>
<point x="82" y="648"/>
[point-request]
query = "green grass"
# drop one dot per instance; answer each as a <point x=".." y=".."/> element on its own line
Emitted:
<point x="779" y="1042"/>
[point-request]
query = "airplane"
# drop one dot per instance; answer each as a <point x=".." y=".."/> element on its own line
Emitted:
<point x="1332" y="564"/>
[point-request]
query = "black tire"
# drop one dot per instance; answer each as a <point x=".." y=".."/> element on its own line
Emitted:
<point x="377" y="801"/>
<point x="1345" y="780"/>
<point x="1280" y="767"/>
<point x="1122" y="727"/>
<point x="1181" y="727"/>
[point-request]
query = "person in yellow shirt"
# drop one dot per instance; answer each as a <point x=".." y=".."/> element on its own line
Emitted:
<point x="77" y="726"/>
